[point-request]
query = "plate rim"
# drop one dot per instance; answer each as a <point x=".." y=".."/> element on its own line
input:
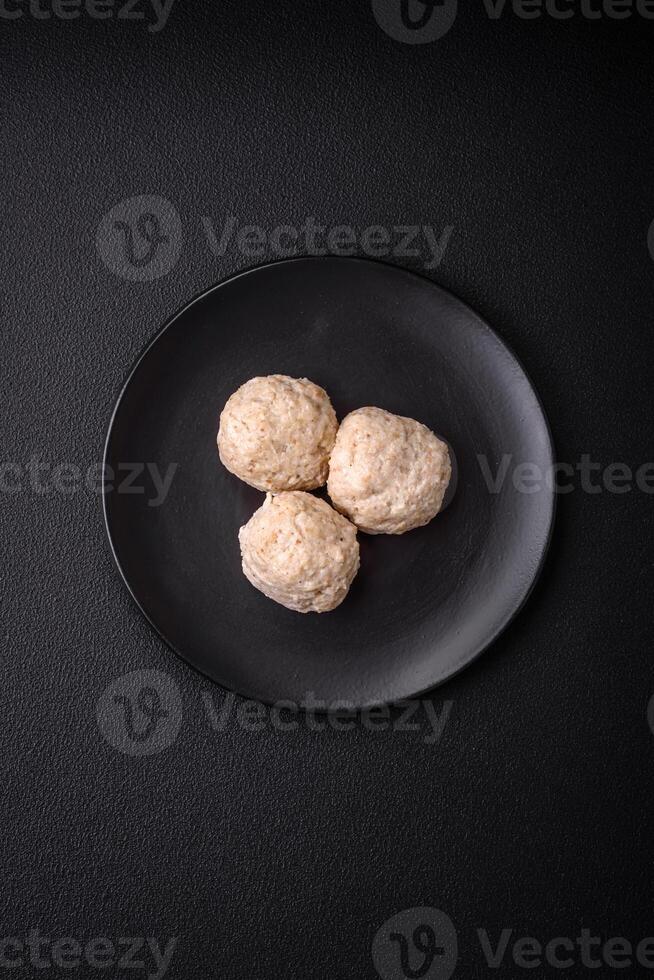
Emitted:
<point x="340" y="704"/>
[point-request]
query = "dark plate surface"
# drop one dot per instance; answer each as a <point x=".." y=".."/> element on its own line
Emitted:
<point x="424" y="604"/>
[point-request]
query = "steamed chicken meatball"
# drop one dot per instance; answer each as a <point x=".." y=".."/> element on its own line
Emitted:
<point x="387" y="474"/>
<point x="276" y="433"/>
<point x="298" y="551"/>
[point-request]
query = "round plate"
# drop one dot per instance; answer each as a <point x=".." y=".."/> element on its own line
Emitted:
<point x="424" y="604"/>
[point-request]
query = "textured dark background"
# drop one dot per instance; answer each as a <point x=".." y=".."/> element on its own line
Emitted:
<point x="277" y="855"/>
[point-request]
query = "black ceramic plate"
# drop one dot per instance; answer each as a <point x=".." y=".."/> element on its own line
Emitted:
<point x="423" y="604"/>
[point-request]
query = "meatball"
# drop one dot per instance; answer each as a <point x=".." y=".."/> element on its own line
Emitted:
<point x="276" y="433"/>
<point x="298" y="551"/>
<point x="387" y="474"/>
